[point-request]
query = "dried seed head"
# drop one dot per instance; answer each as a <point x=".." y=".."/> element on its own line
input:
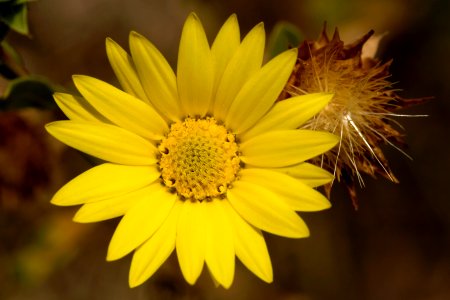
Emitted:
<point x="360" y="112"/>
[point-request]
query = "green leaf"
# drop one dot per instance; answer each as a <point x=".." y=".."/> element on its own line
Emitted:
<point x="15" y="16"/>
<point x="3" y="30"/>
<point x="27" y="92"/>
<point x="283" y="36"/>
<point x="12" y="54"/>
<point x="11" y="64"/>
<point x="17" y="2"/>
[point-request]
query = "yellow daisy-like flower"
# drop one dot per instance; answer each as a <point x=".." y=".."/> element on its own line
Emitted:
<point x="200" y="161"/>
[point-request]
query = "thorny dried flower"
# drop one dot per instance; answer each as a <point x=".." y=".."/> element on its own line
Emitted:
<point x="361" y="111"/>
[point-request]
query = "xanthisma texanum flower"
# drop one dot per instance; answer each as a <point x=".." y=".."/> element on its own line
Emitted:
<point x="201" y="161"/>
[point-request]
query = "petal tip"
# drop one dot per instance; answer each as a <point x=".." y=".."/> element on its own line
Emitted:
<point x="257" y="31"/>
<point x="56" y="201"/>
<point x="190" y="279"/>
<point x="293" y="51"/>
<point x="77" y="76"/>
<point x="269" y="279"/>
<point x="193" y="15"/>
<point x="79" y="79"/>
<point x="49" y="127"/>
<point x="134" y="280"/>
<point x="77" y="219"/>
<point x="115" y="252"/>
<point x="322" y="96"/>
<point x="193" y="21"/>
<point x="83" y="216"/>
<point x="303" y="232"/>
<point x="133" y="284"/>
<point x="327" y="205"/>
<point x="58" y="94"/>
<point x="110" y="256"/>
<point x="111" y="46"/>
<point x="232" y="19"/>
<point x="335" y="139"/>
<point x="135" y="35"/>
<point x="227" y="285"/>
<point x="109" y="41"/>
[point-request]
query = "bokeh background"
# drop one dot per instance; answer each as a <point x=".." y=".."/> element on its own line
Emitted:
<point x="396" y="246"/>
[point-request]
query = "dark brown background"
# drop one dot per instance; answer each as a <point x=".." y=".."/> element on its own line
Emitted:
<point x="395" y="247"/>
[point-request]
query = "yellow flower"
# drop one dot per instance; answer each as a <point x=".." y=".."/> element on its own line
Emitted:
<point x="200" y="161"/>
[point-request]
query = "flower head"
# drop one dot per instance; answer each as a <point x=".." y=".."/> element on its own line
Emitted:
<point x="360" y="111"/>
<point x="201" y="161"/>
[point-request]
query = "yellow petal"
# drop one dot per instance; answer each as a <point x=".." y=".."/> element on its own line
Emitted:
<point x="124" y="69"/>
<point x="78" y="109"/>
<point x="219" y="256"/>
<point x="293" y="192"/>
<point x="250" y="246"/>
<point x="245" y="62"/>
<point x="285" y="147"/>
<point x="310" y="174"/>
<point x="157" y="77"/>
<point x="103" y="182"/>
<point x="190" y="241"/>
<point x="121" y="108"/>
<point x="111" y="207"/>
<point x="265" y="210"/>
<point x="195" y="69"/>
<point x="107" y="142"/>
<point x="141" y="221"/>
<point x="224" y="47"/>
<point x="259" y="93"/>
<point x="154" y="252"/>
<point x="289" y="114"/>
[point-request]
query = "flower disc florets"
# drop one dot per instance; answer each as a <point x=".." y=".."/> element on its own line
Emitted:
<point x="199" y="159"/>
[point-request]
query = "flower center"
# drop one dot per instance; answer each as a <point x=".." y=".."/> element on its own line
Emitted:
<point x="199" y="159"/>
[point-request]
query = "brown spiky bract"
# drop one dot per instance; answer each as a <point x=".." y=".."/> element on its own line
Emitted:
<point x="360" y="111"/>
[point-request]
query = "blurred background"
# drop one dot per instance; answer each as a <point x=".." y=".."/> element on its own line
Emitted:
<point x="396" y="246"/>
